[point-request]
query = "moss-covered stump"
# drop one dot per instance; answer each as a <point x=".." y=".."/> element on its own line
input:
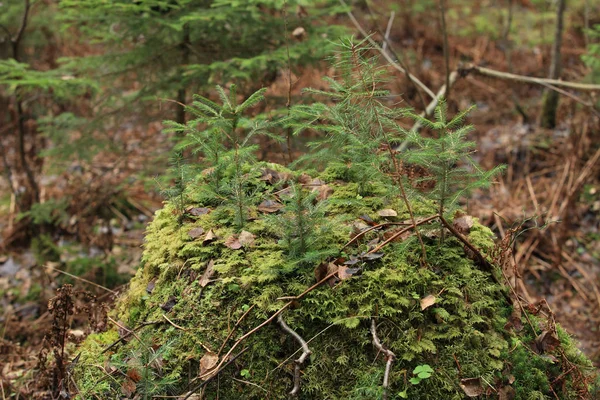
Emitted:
<point x="205" y="307"/>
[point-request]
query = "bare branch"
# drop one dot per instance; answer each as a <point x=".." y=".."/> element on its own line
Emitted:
<point x="529" y="79"/>
<point x="299" y="361"/>
<point x="385" y="53"/>
<point x="389" y="356"/>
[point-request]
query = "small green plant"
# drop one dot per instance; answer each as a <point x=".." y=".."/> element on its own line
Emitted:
<point x="447" y="159"/>
<point x="224" y="141"/>
<point x="420" y="373"/>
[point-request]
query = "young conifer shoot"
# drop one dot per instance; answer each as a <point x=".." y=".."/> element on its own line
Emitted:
<point x="222" y="136"/>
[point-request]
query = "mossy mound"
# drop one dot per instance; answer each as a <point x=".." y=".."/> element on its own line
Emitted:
<point x="448" y="315"/>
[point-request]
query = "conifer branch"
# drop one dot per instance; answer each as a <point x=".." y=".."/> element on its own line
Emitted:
<point x="300" y="360"/>
<point x="389" y="356"/>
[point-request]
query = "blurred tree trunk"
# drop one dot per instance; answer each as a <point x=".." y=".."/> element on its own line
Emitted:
<point x="550" y="99"/>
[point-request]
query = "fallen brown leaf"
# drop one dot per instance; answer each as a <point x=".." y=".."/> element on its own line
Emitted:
<point x="427" y="301"/>
<point x="471" y="387"/>
<point x="208" y="273"/>
<point x="196" y="232"/>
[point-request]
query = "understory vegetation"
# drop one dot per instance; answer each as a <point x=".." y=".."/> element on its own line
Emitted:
<point x="311" y="199"/>
<point x="355" y="280"/>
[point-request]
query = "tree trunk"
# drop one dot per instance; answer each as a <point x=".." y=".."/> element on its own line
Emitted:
<point x="550" y="99"/>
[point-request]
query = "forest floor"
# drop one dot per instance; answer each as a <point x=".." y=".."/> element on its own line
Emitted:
<point x="550" y="192"/>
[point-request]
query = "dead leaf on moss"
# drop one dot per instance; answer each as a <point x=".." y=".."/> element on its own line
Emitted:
<point x="346" y="272"/>
<point x="546" y="342"/>
<point x="198" y="211"/>
<point x="506" y="393"/>
<point x="128" y="388"/>
<point x="367" y="219"/>
<point x="134" y="375"/>
<point x="463" y="224"/>
<point x="150" y="286"/>
<point x="324" y="192"/>
<point x="471" y="387"/>
<point x="427" y="301"/>
<point x="169" y="304"/>
<point x="208" y="362"/>
<point x="196" y="232"/>
<point x="324" y="269"/>
<point x="233" y="243"/>
<point x="210" y="236"/>
<point x="388" y="212"/>
<point x="246" y="239"/>
<point x="208" y="273"/>
<point x="269" y="206"/>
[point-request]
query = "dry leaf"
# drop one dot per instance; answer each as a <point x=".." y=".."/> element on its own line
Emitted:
<point x="506" y="393"/>
<point x="269" y="206"/>
<point x="427" y="301"/>
<point x="196" y="232"/>
<point x="208" y="273"/>
<point x="207" y="363"/>
<point x="210" y="236"/>
<point x="150" y="286"/>
<point x="463" y="224"/>
<point x="299" y="33"/>
<point x="128" y="388"/>
<point x="546" y="341"/>
<point x="388" y="212"/>
<point x="134" y="375"/>
<point x="471" y="387"/>
<point x="198" y="211"/>
<point x="246" y="239"/>
<point x="324" y="192"/>
<point x="233" y="243"/>
<point x="346" y="272"/>
<point x="169" y="304"/>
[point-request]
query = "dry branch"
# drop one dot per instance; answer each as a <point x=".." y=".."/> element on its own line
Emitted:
<point x="389" y="356"/>
<point x="469" y="68"/>
<point x="300" y="360"/>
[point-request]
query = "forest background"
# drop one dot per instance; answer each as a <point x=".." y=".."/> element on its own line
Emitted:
<point x="86" y="84"/>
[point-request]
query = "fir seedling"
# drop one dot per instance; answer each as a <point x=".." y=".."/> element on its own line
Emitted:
<point x="360" y="129"/>
<point x="224" y="142"/>
<point x="447" y="159"/>
<point x="301" y="224"/>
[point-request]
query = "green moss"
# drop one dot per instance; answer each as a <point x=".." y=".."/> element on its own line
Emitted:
<point x="465" y="325"/>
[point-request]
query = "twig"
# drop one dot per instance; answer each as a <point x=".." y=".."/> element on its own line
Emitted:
<point x="299" y="361"/>
<point x="129" y="333"/>
<point x="388" y="29"/>
<point x="176" y="326"/>
<point x="234" y="328"/>
<point x="385" y="53"/>
<point x="266" y="322"/>
<point x="529" y="79"/>
<point x="80" y="279"/>
<point x="389" y="355"/>
<point x="369" y="229"/>
<point x="397" y="234"/>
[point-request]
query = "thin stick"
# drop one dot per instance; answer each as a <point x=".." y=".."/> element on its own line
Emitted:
<point x="80" y="279"/>
<point x="397" y="234"/>
<point x="389" y="355"/>
<point x="299" y="361"/>
<point x="371" y="228"/>
<point x="385" y="53"/>
<point x="529" y="79"/>
<point x="234" y="328"/>
<point x="388" y="29"/>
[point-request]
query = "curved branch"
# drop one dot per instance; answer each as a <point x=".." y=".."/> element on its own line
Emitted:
<point x="389" y="355"/>
<point x="299" y="361"/>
